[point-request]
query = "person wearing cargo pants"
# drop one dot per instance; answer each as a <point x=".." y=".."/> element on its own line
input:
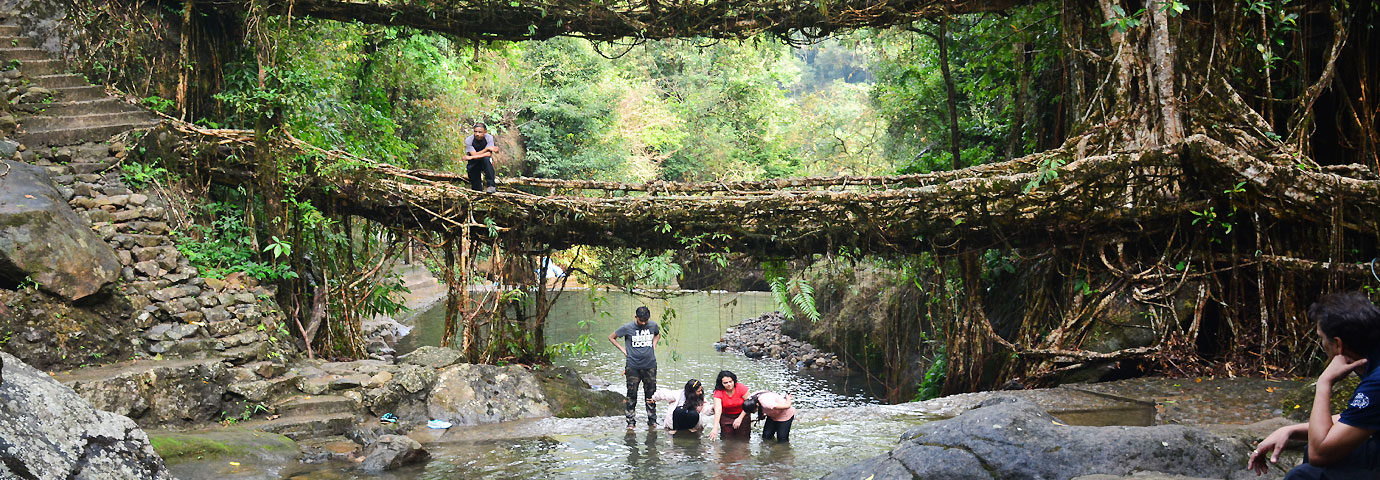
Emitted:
<point x="640" y="337"/>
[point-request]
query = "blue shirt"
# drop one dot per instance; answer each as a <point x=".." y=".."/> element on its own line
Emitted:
<point x="1364" y="409"/>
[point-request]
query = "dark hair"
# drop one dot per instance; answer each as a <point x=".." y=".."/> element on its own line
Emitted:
<point x="719" y="381"/>
<point x="750" y="406"/>
<point x="693" y="399"/>
<point x="481" y="125"/>
<point x="643" y="312"/>
<point x="1350" y="316"/>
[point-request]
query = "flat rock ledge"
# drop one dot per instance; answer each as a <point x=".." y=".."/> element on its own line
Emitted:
<point x="1011" y="438"/>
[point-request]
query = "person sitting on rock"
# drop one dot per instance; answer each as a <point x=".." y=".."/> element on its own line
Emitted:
<point x="688" y="411"/>
<point x="776" y="410"/>
<point x="1343" y="446"/>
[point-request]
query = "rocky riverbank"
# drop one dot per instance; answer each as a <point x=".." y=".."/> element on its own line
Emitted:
<point x="761" y="337"/>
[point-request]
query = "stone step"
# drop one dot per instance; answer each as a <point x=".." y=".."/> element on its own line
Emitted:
<point x="302" y="405"/>
<point x="10" y="30"/>
<point x="51" y="122"/>
<point x="35" y="68"/>
<point x="83" y="92"/>
<point x="60" y="80"/>
<point x="22" y="54"/>
<point x="73" y="136"/>
<point x="17" y="41"/>
<point x="300" y="427"/>
<point x="81" y="107"/>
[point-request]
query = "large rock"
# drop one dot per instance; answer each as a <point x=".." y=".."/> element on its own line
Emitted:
<point x="156" y="393"/>
<point x="434" y="357"/>
<point x="392" y="451"/>
<point x="570" y="397"/>
<point x="41" y="238"/>
<point x="467" y="394"/>
<point x="1011" y="438"/>
<point x="48" y="431"/>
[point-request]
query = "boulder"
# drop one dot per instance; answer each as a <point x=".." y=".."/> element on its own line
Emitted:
<point x="392" y="451"/>
<point x="570" y="397"/>
<point x="43" y="239"/>
<point x="156" y="393"/>
<point x="434" y="357"/>
<point x="51" y="432"/>
<point x="1012" y="438"/>
<point x="467" y="394"/>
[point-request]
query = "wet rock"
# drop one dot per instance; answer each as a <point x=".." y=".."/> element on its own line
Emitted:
<point x="467" y="394"/>
<point x="43" y="239"/>
<point x="569" y="396"/>
<point x="429" y="356"/>
<point x="1013" y="438"/>
<point x="392" y="451"/>
<point x="51" y="432"/>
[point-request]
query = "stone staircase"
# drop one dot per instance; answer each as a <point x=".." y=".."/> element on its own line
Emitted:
<point x="78" y="112"/>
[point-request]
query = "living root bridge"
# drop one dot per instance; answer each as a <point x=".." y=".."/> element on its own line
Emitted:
<point x="504" y="20"/>
<point x="1045" y="200"/>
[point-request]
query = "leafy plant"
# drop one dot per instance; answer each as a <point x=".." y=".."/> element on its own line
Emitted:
<point x="158" y="104"/>
<point x="140" y="175"/>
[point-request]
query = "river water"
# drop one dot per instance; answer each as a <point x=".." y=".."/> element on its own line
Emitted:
<point x="840" y="421"/>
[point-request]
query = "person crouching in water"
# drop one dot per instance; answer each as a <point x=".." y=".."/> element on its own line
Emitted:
<point x="778" y="412"/>
<point x="688" y="411"/>
<point x="728" y="407"/>
<point x="1340" y="447"/>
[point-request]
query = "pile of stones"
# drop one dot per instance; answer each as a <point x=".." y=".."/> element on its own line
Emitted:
<point x="179" y="312"/>
<point x="761" y="337"/>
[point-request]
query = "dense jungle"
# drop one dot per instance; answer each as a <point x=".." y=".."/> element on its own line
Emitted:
<point x="948" y="196"/>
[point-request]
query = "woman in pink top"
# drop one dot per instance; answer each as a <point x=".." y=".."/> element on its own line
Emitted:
<point x="778" y="412"/>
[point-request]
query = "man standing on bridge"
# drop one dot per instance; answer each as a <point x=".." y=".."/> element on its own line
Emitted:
<point x="641" y="336"/>
<point x="479" y="150"/>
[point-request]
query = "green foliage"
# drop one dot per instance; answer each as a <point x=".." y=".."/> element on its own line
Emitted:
<point x="932" y="385"/>
<point x="158" y="104"/>
<point x="139" y="175"/>
<point x="226" y="245"/>
<point x="1122" y="22"/>
<point x="790" y="292"/>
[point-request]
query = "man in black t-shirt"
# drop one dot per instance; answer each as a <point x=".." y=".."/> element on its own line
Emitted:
<point x="1345" y="446"/>
<point x="641" y="336"/>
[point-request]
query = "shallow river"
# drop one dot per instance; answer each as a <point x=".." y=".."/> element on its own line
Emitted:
<point x="840" y="421"/>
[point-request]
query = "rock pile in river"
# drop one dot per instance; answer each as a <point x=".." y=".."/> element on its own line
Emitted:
<point x="761" y="337"/>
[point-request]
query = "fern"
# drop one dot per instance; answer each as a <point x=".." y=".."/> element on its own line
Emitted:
<point x="805" y="299"/>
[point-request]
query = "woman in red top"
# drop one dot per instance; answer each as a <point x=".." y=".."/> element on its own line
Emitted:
<point x="728" y="407"/>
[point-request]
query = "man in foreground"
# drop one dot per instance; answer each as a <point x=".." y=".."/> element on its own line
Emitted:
<point x="641" y="336"/>
<point x="1340" y="447"/>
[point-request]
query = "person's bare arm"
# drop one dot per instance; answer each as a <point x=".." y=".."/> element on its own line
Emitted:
<point x="1329" y="441"/>
<point x="718" y="412"/>
<point x="614" y="340"/>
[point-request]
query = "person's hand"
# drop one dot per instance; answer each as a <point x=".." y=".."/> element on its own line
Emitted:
<point x="714" y="432"/>
<point x="1270" y="446"/>
<point x="737" y="422"/>
<point x="1338" y="369"/>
